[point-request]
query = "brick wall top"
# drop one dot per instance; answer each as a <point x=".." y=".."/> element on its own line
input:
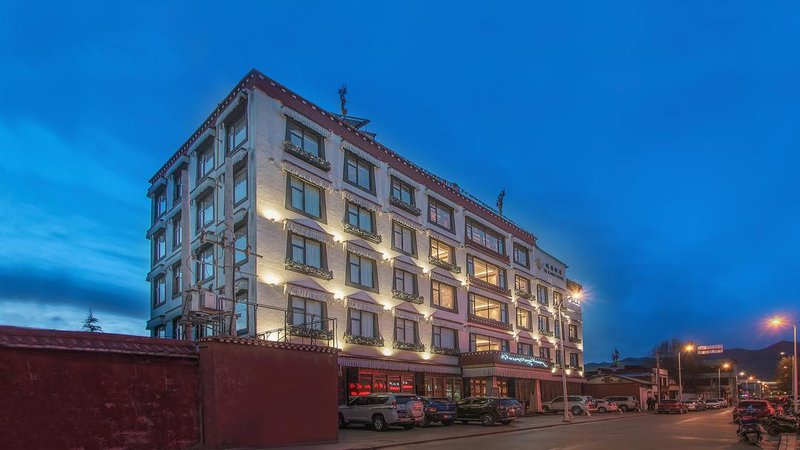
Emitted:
<point x="35" y="338"/>
<point x="271" y="344"/>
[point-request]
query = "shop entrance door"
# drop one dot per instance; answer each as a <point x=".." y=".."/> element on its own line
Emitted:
<point x="523" y="393"/>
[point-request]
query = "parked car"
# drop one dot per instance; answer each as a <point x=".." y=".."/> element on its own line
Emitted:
<point x="715" y="403"/>
<point x="671" y="406"/>
<point x="577" y="404"/>
<point x="604" y="406"/>
<point x="438" y="409"/>
<point x="757" y="408"/>
<point x="488" y="410"/>
<point x="382" y="410"/>
<point x="625" y="403"/>
<point x="695" y="404"/>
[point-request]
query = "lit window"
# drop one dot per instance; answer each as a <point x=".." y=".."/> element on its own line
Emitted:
<point x="481" y="343"/>
<point x="442" y="251"/>
<point x="486" y="271"/>
<point x="487" y="308"/>
<point x="522" y="284"/>
<point x="485" y="237"/>
<point x="524" y="319"/>
<point x="159" y="246"/>
<point x="443" y="295"/>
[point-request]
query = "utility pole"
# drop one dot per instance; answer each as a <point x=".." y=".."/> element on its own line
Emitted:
<point x="658" y="377"/>
<point x="228" y="240"/>
<point x="563" y="363"/>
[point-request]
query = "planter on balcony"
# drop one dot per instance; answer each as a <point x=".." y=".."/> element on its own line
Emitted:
<point x="348" y="227"/>
<point x="411" y="346"/>
<point x="363" y="340"/>
<point x="546" y="333"/>
<point x="445" y="351"/>
<point x="411" y="298"/>
<point x="444" y="264"/>
<point x="317" y="272"/>
<point x="314" y="160"/>
<point x="405" y="206"/>
<point x="523" y="294"/>
<point x="489" y="286"/>
<point x="575" y="340"/>
<point x="571" y="367"/>
<point x="489" y="322"/>
<point x="310" y="332"/>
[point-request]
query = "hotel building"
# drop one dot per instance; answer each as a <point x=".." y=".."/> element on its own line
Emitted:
<point x="326" y="236"/>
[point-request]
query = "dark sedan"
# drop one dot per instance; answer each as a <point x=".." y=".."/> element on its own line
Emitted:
<point x="671" y="406"/>
<point x="438" y="409"/>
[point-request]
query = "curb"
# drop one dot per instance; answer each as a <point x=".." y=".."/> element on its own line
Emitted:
<point x="502" y="431"/>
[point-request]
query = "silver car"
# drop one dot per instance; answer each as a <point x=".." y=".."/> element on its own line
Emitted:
<point x="382" y="411"/>
<point x="625" y="403"/>
<point x="577" y="404"/>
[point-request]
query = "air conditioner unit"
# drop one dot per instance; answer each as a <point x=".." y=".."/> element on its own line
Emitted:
<point x="203" y="301"/>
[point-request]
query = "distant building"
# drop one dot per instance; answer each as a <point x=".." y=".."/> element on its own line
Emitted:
<point x="281" y="221"/>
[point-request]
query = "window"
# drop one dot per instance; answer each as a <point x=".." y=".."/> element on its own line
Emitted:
<point x="241" y="314"/>
<point x="405" y="281"/>
<point x="240" y="244"/>
<point x="177" y="188"/>
<point x="525" y="349"/>
<point x="205" y="162"/>
<point x="240" y="186"/>
<point x="205" y="264"/>
<point x="544" y="323"/>
<point x="304" y="197"/>
<point x="573" y="332"/>
<point x="524" y="319"/>
<point x="405" y="330"/>
<point x="205" y="210"/>
<point x="487" y="308"/>
<point x="442" y="251"/>
<point x="544" y="352"/>
<point x="573" y="360"/>
<point x="443" y="295"/>
<point x="486" y="271"/>
<point x="304" y="138"/>
<point x="362" y="272"/>
<point x="440" y="214"/>
<point x="359" y="172"/>
<point x="159" y="290"/>
<point x="159" y="204"/>
<point x="160" y="332"/>
<point x="480" y="343"/>
<point x="177" y="232"/>
<point x="159" y="246"/>
<point x="557" y="328"/>
<point x="177" y="331"/>
<point x="307" y="313"/>
<point x="236" y="131"/>
<point x="360" y="217"/>
<point x="521" y="255"/>
<point x="556" y="298"/>
<point x="307" y="251"/>
<point x="363" y="323"/>
<point x="445" y="337"/>
<point x="404" y="239"/>
<point x="485" y="237"/>
<point x="403" y="191"/>
<point x="558" y="356"/>
<point x="522" y="284"/>
<point x="177" y="277"/>
<point x="541" y="294"/>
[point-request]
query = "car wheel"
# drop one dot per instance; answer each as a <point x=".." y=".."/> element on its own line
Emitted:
<point x="546" y="409"/>
<point x="623" y="408"/>
<point x="408" y="426"/>
<point x="602" y="409"/>
<point x="425" y="422"/>
<point x="577" y="411"/>
<point x="505" y="422"/>
<point x="487" y="419"/>
<point x="447" y="423"/>
<point x="378" y="422"/>
<point x="342" y="423"/>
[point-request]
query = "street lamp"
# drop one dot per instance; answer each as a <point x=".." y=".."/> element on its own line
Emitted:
<point x="575" y="295"/>
<point x="794" y="366"/>
<point x="725" y="366"/>
<point x="777" y="322"/>
<point x="687" y="348"/>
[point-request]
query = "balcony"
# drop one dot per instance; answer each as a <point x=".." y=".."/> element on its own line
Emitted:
<point x="411" y="346"/>
<point x="310" y="331"/>
<point x="575" y="340"/>
<point x="445" y="351"/>
<point x="489" y="286"/>
<point x="523" y="294"/>
<point x="408" y="207"/>
<point x="444" y="264"/>
<point x="363" y="340"/>
<point x="352" y="229"/>
<point x="546" y="333"/>
<point x="299" y="153"/>
<point x="487" y="251"/>
<point x="411" y="298"/>
<point x="490" y="322"/>
<point x="571" y="367"/>
<point x="317" y="272"/>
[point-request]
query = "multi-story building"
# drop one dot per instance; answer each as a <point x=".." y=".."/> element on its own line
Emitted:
<point x="332" y="236"/>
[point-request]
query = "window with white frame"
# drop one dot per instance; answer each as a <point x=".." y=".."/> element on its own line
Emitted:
<point x="205" y="161"/>
<point x="159" y="289"/>
<point x="159" y="246"/>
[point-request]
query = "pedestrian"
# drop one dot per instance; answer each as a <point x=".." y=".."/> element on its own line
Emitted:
<point x="651" y="402"/>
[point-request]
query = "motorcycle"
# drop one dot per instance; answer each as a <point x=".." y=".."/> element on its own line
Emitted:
<point x="778" y="425"/>
<point x="750" y="430"/>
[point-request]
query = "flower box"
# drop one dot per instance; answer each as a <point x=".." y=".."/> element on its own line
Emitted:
<point x="523" y="294"/>
<point x="408" y="207"/>
<point x="317" y="272"/>
<point x="445" y="351"/>
<point x="411" y="298"/>
<point x="363" y="340"/>
<point x="310" y="332"/>
<point x="444" y="264"/>
<point x="314" y="160"/>
<point x="546" y="333"/>
<point x="411" y="346"/>
<point x="575" y="340"/>
<point x="376" y="238"/>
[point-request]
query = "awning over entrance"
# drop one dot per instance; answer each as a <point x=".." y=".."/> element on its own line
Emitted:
<point x="500" y="371"/>
<point x="379" y="364"/>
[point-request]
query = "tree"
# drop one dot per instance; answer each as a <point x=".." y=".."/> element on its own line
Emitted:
<point x="783" y="374"/>
<point x="92" y="323"/>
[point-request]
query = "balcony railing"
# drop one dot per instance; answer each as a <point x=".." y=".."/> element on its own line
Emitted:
<point x="575" y="340"/>
<point x="445" y="351"/>
<point x="489" y="286"/>
<point x="547" y="333"/>
<point x="411" y="346"/>
<point x="444" y="264"/>
<point x="409" y="297"/>
<point x="408" y="207"/>
<point x="490" y="322"/>
<point x="363" y="340"/>
<point x="314" y="160"/>
<point x="350" y="228"/>
<point x="317" y="272"/>
<point x="523" y="294"/>
<point x="302" y="329"/>
<point x="310" y="330"/>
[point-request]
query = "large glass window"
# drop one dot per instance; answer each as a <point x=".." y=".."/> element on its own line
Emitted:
<point x="573" y="360"/>
<point x="522" y="284"/>
<point x="304" y="138"/>
<point x="177" y="277"/>
<point x="444" y="337"/>
<point x="404" y="239"/>
<point x="360" y="217"/>
<point x="359" y="172"/>
<point x="307" y="313"/>
<point x="405" y="330"/>
<point x="236" y="131"/>
<point x="363" y="323"/>
<point x="525" y="349"/>
<point x="177" y="188"/>
<point x="573" y="331"/>
<point x="205" y="162"/>
<point x="205" y="210"/>
<point x="442" y="251"/>
<point x="205" y="263"/>
<point x="307" y="251"/>
<point x="440" y="214"/>
<point x="524" y="319"/>
<point x="240" y="186"/>
<point x="443" y="295"/>
<point x="541" y="294"/>
<point x="304" y="197"/>
<point x="159" y="246"/>
<point x="362" y="271"/>
<point x="159" y="204"/>
<point x="405" y="281"/>
<point x="485" y="237"/>
<point x="159" y="289"/>
<point x="486" y="271"/>
<point x="177" y="232"/>
<point x="521" y="255"/>
<point x="544" y="352"/>
<point x="240" y="243"/>
<point x="480" y="343"/>
<point x="544" y="323"/>
<point x="487" y="308"/>
<point x="403" y="191"/>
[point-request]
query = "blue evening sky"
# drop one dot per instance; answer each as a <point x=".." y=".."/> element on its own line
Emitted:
<point x="651" y="147"/>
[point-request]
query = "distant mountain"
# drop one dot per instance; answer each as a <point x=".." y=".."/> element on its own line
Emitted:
<point x="759" y="363"/>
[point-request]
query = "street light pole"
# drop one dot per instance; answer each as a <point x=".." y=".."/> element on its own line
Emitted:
<point x="680" y="379"/>
<point x="779" y="321"/>
<point x="567" y="417"/>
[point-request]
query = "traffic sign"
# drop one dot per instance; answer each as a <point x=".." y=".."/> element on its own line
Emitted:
<point x="709" y="349"/>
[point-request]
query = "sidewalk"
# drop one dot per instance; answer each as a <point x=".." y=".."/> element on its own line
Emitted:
<point x="788" y="442"/>
<point x="359" y="437"/>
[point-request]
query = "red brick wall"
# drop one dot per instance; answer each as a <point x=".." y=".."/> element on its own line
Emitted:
<point x="266" y="394"/>
<point x="96" y="391"/>
<point x="608" y="390"/>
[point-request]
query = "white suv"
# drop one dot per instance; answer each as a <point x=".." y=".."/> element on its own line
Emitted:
<point x="624" y="403"/>
<point x="382" y="411"/>
<point x="577" y="404"/>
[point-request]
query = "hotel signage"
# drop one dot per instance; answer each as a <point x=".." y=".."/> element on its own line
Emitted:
<point x="523" y="360"/>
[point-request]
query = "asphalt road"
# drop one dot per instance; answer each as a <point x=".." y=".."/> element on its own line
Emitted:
<point x="696" y="430"/>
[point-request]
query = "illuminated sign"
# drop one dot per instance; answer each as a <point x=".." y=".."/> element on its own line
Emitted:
<point x="530" y="361"/>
